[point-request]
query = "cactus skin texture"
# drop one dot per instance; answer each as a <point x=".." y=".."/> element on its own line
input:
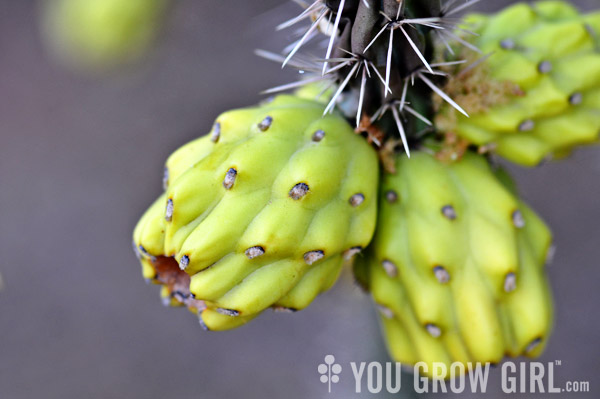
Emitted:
<point x="261" y="212"/>
<point x="538" y="94"/>
<point x="95" y="34"/>
<point x="457" y="265"/>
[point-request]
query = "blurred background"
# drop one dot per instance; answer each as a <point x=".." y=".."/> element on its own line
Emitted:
<point x="81" y="157"/>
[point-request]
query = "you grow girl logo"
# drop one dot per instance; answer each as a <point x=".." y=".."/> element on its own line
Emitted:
<point x="329" y="371"/>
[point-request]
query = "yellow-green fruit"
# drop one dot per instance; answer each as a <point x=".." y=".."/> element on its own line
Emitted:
<point x="100" y="33"/>
<point x="537" y="95"/>
<point x="457" y="265"/>
<point x="261" y="212"/>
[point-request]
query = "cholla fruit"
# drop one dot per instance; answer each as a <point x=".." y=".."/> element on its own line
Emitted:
<point x="457" y="265"/>
<point x="99" y="33"/>
<point x="538" y="93"/>
<point x="261" y="212"/>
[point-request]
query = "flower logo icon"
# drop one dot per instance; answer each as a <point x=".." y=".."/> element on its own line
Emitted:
<point x="329" y="371"/>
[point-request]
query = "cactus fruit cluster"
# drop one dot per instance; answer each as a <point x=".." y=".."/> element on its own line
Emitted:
<point x="262" y="212"/>
<point x="538" y="95"/>
<point x="385" y="158"/>
<point x="456" y="267"/>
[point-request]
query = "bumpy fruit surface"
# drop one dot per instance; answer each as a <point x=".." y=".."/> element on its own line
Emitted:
<point x="538" y="93"/>
<point x="261" y="212"/>
<point x="99" y="33"/>
<point x="457" y="265"/>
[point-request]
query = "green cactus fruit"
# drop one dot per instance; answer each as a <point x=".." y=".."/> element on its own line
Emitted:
<point x="457" y="265"/>
<point x="261" y="212"/>
<point x="96" y="34"/>
<point x="537" y="95"/>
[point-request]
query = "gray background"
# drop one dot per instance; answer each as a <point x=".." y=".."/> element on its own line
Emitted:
<point x="81" y="158"/>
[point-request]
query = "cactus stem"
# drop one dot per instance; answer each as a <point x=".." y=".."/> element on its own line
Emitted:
<point x="228" y="312"/>
<point x="169" y="210"/>
<point x="312" y="256"/>
<point x="441" y="274"/>
<point x="229" y="178"/>
<point x="254" y="252"/>
<point x="356" y="199"/>
<point x="510" y="282"/>
<point x="390" y="268"/>
<point x="216" y="132"/>
<point x="299" y="191"/>
<point x="318" y="136"/>
<point x="184" y="262"/>
<point x="518" y="220"/>
<point x="449" y="212"/>
<point x="265" y="124"/>
<point x="433" y="330"/>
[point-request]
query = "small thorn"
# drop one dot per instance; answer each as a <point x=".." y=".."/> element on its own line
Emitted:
<point x="202" y="323"/>
<point x="283" y="309"/>
<point x="401" y="130"/>
<point x="526" y="126"/>
<point x="545" y="67"/>
<point x="517" y="219"/>
<point x="312" y="256"/>
<point x="510" y="282"/>
<point x="265" y="124"/>
<point x="433" y="330"/>
<point x="333" y="34"/>
<point x="165" y="179"/>
<point x="391" y="196"/>
<point x="385" y="311"/>
<point x="550" y="254"/>
<point x="254" y="252"/>
<point x="351" y="252"/>
<point x="441" y="274"/>
<point x="533" y="344"/>
<point x="390" y="268"/>
<point x="576" y="98"/>
<point x="449" y="212"/>
<point x="229" y="179"/>
<point x="184" y="262"/>
<point x="298" y="191"/>
<point x="507" y="44"/>
<point x="228" y="312"/>
<point x="216" y="132"/>
<point x="169" y="210"/>
<point x="440" y="93"/>
<point x="318" y="136"/>
<point x="356" y="199"/>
